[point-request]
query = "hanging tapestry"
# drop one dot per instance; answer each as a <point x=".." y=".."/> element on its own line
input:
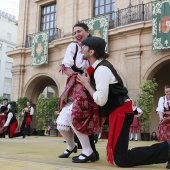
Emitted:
<point x="99" y="27"/>
<point x="161" y="24"/>
<point x="39" y="48"/>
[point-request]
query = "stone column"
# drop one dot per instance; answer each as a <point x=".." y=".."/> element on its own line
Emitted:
<point x="133" y="72"/>
<point x="18" y="72"/>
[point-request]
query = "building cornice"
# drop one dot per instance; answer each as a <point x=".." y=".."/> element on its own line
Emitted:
<point x="128" y="30"/>
<point x="8" y="16"/>
<point x="134" y="54"/>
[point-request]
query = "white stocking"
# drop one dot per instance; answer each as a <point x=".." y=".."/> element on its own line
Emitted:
<point x="136" y="136"/>
<point x="131" y="136"/>
<point x="84" y="140"/>
<point x="69" y="137"/>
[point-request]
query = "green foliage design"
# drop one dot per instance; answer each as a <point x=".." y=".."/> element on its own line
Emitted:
<point x="146" y="102"/>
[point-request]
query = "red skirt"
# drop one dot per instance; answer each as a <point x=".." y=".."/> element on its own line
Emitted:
<point x="164" y="130"/>
<point x="28" y="120"/>
<point x="135" y="126"/>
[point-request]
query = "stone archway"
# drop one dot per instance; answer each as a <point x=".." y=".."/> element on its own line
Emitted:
<point x="160" y="70"/>
<point x="35" y="87"/>
<point x="37" y="84"/>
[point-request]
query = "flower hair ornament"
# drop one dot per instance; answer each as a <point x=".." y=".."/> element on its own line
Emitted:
<point x="165" y="87"/>
<point x="90" y="70"/>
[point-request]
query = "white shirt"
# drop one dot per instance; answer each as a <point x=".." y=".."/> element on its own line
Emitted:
<point x="139" y="110"/>
<point x="9" y="106"/>
<point x="68" y="58"/>
<point x="163" y="102"/>
<point x="103" y="77"/>
<point x="31" y="111"/>
<point x="9" y="117"/>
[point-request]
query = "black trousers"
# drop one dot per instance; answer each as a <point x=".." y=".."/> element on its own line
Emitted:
<point x="25" y="128"/>
<point x="18" y="134"/>
<point x="154" y="154"/>
<point x="91" y="139"/>
<point x="2" y="135"/>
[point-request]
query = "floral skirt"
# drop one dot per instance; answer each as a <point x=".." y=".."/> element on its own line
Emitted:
<point x="135" y="126"/>
<point x="2" y="121"/>
<point x="164" y="130"/>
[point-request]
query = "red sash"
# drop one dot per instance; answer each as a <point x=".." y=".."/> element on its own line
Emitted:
<point x="116" y="120"/>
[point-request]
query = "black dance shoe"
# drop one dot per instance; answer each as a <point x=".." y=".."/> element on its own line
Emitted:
<point x="131" y="139"/>
<point x="66" y="155"/>
<point x="91" y="158"/>
<point x="96" y="155"/>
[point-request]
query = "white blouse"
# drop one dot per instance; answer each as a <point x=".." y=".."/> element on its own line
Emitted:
<point x="68" y="58"/>
<point x="139" y="110"/>
<point x="163" y="102"/>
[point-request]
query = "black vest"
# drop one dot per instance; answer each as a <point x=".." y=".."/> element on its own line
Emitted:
<point x="13" y="117"/>
<point x="117" y="92"/>
<point x="74" y="67"/>
<point x="135" y="112"/>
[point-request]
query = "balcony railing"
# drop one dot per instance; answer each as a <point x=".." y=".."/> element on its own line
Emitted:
<point x="132" y="14"/>
<point x="53" y="34"/>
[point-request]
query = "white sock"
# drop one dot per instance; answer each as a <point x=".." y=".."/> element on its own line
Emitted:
<point x="69" y="137"/>
<point x="99" y="135"/>
<point x="131" y="136"/>
<point x="136" y="136"/>
<point x="85" y="143"/>
<point x="84" y="140"/>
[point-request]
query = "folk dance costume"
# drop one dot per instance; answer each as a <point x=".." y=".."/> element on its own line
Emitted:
<point x="135" y="126"/>
<point x="2" y="118"/>
<point x="112" y="99"/>
<point x="78" y="112"/>
<point x="120" y="113"/>
<point x="164" y="127"/>
<point x="2" y="122"/>
<point x="11" y="123"/>
<point x="26" y="123"/>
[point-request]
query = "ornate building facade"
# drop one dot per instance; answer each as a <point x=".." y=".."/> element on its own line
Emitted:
<point x="129" y="44"/>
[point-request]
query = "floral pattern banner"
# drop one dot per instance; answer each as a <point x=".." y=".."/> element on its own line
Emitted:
<point x="99" y="27"/>
<point x="161" y="24"/>
<point x="39" y="52"/>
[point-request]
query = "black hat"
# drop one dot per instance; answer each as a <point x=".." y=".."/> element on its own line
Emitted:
<point x="97" y="44"/>
<point x="3" y="108"/>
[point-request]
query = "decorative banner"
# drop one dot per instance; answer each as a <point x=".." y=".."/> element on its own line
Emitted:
<point x="39" y="48"/>
<point x="99" y="27"/>
<point x="161" y="24"/>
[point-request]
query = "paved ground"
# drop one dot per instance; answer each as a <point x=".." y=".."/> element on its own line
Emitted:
<point x="41" y="153"/>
